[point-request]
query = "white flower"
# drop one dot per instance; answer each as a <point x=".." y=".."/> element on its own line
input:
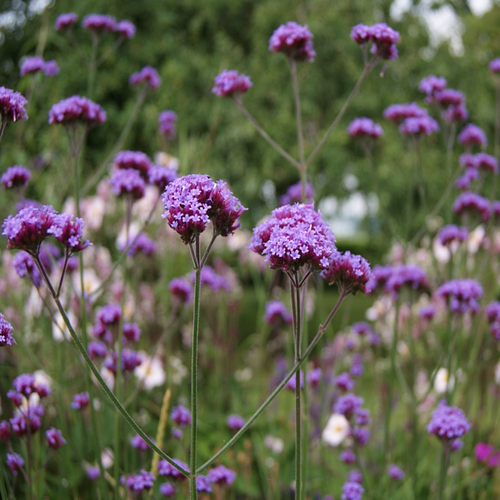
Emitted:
<point x="336" y="430"/>
<point x="150" y="372"/>
<point x="476" y="239"/>
<point x="274" y="444"/>
<point x="497" y="373"/>
<point x="59" y="329"/>
<point x="443" y="381"/>
<point x="179" y="371"/>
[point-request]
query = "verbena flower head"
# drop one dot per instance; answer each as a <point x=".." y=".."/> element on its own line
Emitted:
<point x="148" y="75"/>
<point x="352" y="491"/>
<point x="348" y="405"/>
<point x="65" y="21"/>
<point x="399" y="112"/>
<point x="350" y="272"/>
<point x="472" y="202"/>
<point x="229" y="83"/>
<point x="394" y="278"/>
<point x="138" y="443"/>
<point x="424" y="125"/>
<point x="364" y="128"/>
<point x="6" y="337"/>
<point x="136" y="160"/>
<point x="50" y="68"/>
<point x="343" y="382"/>
<point x="131" y="332"/>
<point x="464" y="181"/>
<point x="138" y="483"/>
<point x="12" y="105"/>
<point x="203" y="484"/>
<point x="294" y="194"/>
<point x="68" y="230"/>
<point x="99" y="23"/>
<point x="432" y="84"/>
<point x="495" y="65"/>
<point x="25" y="266"/>
<point x="77" y="109"/>
<point x="462" y="295"/>
<point x="293" y="40"/>
<point x="492" y="312"/>
<point x="167" y="489"/>
<point x="181" y="416"/>
<point x="455" y="114"/>
<point x="32" y="65"/>
<point x="165" y="469"/>
<point x="277" y="313"/>
<point x="472" y="135"/>
<point x="15" y="177"/>
<point x="484" y="161"/>
<point x="294" y="236"/>
<point x="182" y="290"/>
<point x="395" y="472"/>
<point x="161" y="176"/>
<point x="109" y="315"/>
<point x="140" y="244"/>
<point x="54" y="438"/>
<point x="235" y="422"/>
<point x="80" y="401"/>
<point x="449" y="97"/>
<point x="166" y="123"/>
<point x="362" y="328"/>
<point x="221" y="475"/>
<point x="448" y="423"/>
<point x="193" y="200"/>
<point x="451" y="233"/>
<point x="125" y="28"/>
<point x="28" y="228"/>
<point x="347" y="457"/>
<point x="382" y="37"/>
<point x="15" y="462"/>
<point x="128" y="183"/>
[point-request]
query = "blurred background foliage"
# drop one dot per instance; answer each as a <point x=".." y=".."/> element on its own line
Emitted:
<point x="190" y="42"/>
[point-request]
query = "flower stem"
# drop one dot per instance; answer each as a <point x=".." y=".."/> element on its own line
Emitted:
<point x="337" y="119"/>
<point x="319" y="334"/>
<point x="194" y="378"/>
<point x="265" y="135"/>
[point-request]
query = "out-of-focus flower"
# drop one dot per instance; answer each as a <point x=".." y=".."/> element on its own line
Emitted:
<point x="128" y="183"/>
<point x="162" y="176"/>
<point x="80" y="401"/>
<point x="15" y="462"/>
<point x="395" y="472"/>
<point x="349" y="272"/>
<point x="235" y="422"/>
<point x="54" y="438"/>
<point x="277" y="313"/>
<point x="148" y="76"/>
<point x="231" y="84"/>
<point x="399" y="112"/>
<point x="462" y="295"/>
<point x="15" y="177"/>
<point x="432" y="84"/>
<point x="336" y="430"/>
<point x="472" y="135"/>
<point x="138" y="483"/>
<point x="77" y="109"/>
<point x="6" y="337"/>
<point x="135" y="160"/>
<point x="166" y="123"/>
<point x="151" y="372"/>
<point x="352" y="491"/>
<point x="448" y="423"/>
<point x="12" y="105"/>
<point x="424" y="125"/>
<point x="449" y="97"/>
<point x="66" y="21"/>
<point x="382" y="37"/>
<point x="294" y="194"/>
<point x="472" y="202"/>
<point x="221" y="475"/>
<point x="181" y="416"/>
<point x="443" y="382"/>
<point x="293" y="40"/>
<point x="99" y="23"/>
<point x="364" y="128"/>
<point x="125" y="28"/>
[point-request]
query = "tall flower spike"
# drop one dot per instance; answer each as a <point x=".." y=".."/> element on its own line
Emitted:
<point x="294" y="236"/>
<point x="193" y="200"/>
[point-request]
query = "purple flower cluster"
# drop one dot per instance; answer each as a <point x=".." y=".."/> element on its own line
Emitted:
<point x="483" y="161"/>
<point x="418" y="126"/>
<point x="148" y="75"/>
<point x="395" y="472"/>
<point x="472" y="135"/>
<point x="293" y="40"/>
<point x="181" y="416"/>
<point x="462" y="295"/>
<point x="352" y="491"/>
<point x="451" y="233"/>
<point x="447" y="98"/>
<point x="294" y="236"/>
<point x="15" y="462"/>
<point x="166" y="123"/>
<point x="486" y="453"/>
<point x="135" y="160"/>
<point x="25" y="266"/>
<point x="80" y="401"/>
<point x="432" y="84"/>
<point x="495" y="66"/>
<point x="32" y="65"/>
<point x="165" y="469"/>
<point x="464" y="181"/>
<point x="138" y="483"/>
<point x="235" y="422"/>
<point x="393" y="278"/>
<point x="398" y="112"/>
<point x="382" y="37"/>
<point x="191" y="201"/>
<point x="140" y="244"/>
<point x="229" y="83"/>
<point x="6" y="337"/>
<point x="65" y="21"/>
<point x="350" y="272"/>
<point x="362" y="128"/>
<point x="277" y="313"/>
<point x="161" y="176"/>
<point x="125" y="28"/>
<point x="343" y="382"/>
<point x="99" y="23"/>
<point x="182" y="290"/>
<point x="294" y="194"/>
<point x="348" y="405"/>
<point x="448" y="423"/>
<point x="15" y="177"/>
<point x="68" y="230"/>
<point x="128" y="183"/>
<point x="472" y="202"/>
<point x="213" y="280"/>
<point x="12" y="105"/>
<point x="54" y="438"/>
<point x="138" y="443"/>
<point x="77" y="109"/>
<point x="492" y="312"/>
<point x="221" y="475"/>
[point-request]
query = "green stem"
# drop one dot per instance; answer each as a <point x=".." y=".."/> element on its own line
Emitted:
<point x="445" y="458"/>
<point x="497" y="116"/>
<point x="272" y="396"/>
<point x="92" y="65"/>
<point x="194" y="378"/>
<point x="337" y="119"/>
<point x="264" y="134"/>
